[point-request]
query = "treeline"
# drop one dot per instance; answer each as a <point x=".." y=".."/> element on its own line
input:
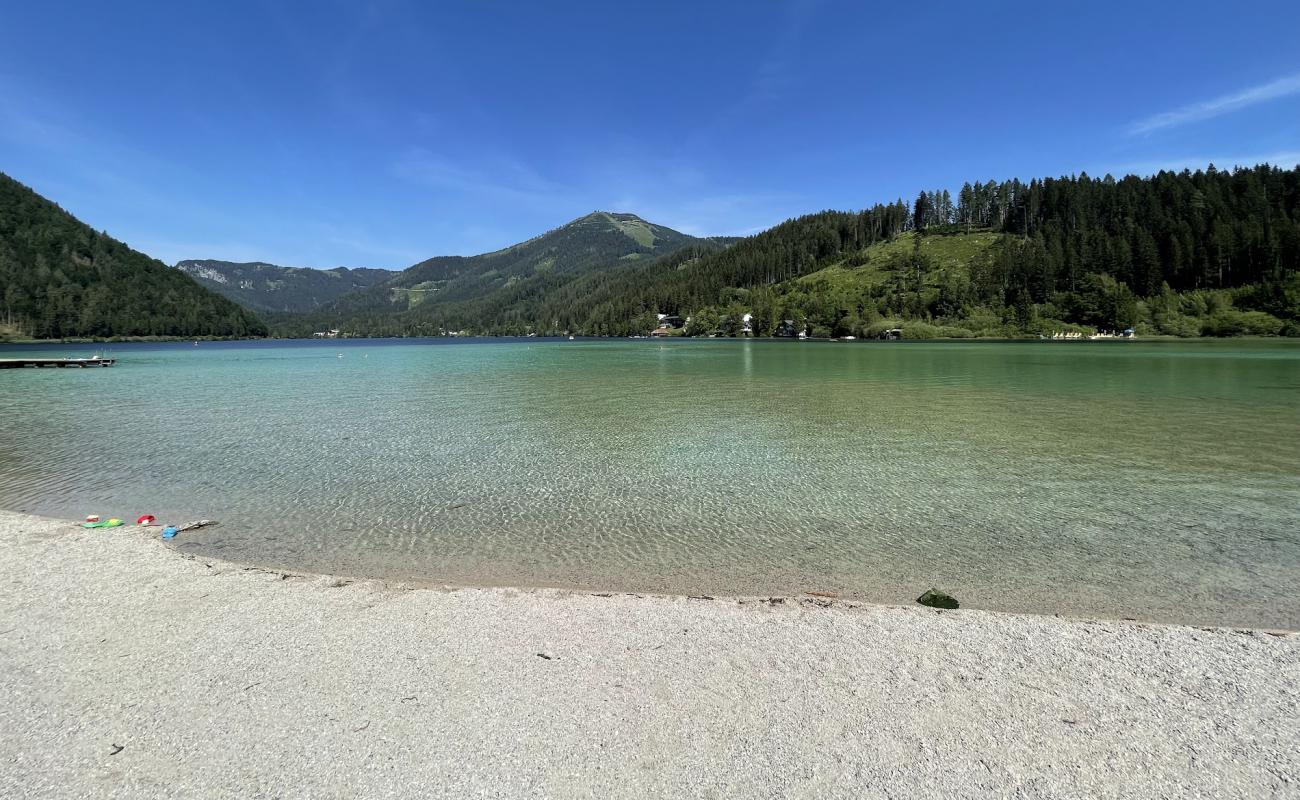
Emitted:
<point x="262" y="287"/>
<point x="1191" y="230"/>
<point x="617" y="302"/>
<point x="546" y="302"/>
<point x="491" y="288"/>
<point x="1192" y="253"/>
<point x="1189" y="253"/>
<point x="61" y="278"/>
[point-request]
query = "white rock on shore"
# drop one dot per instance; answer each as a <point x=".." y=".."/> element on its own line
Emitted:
<point x="127" y="670"/>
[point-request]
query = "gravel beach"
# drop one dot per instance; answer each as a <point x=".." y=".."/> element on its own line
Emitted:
<point x="129" y="670"/>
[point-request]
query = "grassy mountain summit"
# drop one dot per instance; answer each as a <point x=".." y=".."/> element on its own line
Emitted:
<point x="600" y="239"/>
<point x="450" y="292"/>
<point x="61" y="278"/>
<point x="259" y="286"/>
<point x="1200" y="253"/>
<point x="638" y="230"/>
<point x="1183" y="254"/>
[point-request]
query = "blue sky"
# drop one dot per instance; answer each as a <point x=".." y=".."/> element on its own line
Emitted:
<point x="382" y="133"/>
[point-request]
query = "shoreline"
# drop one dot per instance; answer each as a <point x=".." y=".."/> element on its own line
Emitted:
<point x="562" y="337"/>
<point x="130" y="670"/>
<point x="822" y="599"/>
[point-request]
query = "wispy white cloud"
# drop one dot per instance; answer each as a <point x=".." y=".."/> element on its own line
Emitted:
<point x="773" y="80"/>
<point x="366" y="245"/>
<point x="499" y="177"/>
<point x="330" y="245"/>
<point x="680" y="192"/>
<point x="712" y="214"/>
<point x="774" y="76"/>
<point x="669" y="191"/>
<point x="22" y="128"/>
<point x="1225" y="104"/>
<point x="91" y="162"/>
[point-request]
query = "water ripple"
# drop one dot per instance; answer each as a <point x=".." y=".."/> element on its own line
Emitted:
<point x="1150" y="481"/>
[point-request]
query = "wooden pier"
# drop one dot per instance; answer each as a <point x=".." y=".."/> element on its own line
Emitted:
<point x="15" y="363"/>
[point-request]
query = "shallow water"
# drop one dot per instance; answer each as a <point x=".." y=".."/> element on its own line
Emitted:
<point x="1158" y="480"/>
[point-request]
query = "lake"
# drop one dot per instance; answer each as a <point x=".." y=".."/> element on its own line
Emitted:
<point x="1157" y="480"/>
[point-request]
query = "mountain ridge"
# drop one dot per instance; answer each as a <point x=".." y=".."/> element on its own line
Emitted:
<point x="1184" y="253"/>
<point x="264" y="287"/>
<point x="598" y="241"/>
<point x="61" y="278"/>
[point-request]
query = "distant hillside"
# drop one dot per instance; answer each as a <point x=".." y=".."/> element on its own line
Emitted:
<point x="60" y="278"/>
<point x="451" y="291"/>
<point x="267" y="287"/>
<point x="1182" y="254"/>
<point x="597" y="240"/>
<point x="1210" y="253"/>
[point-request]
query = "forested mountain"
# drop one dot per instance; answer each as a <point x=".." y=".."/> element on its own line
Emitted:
<point x="499" y="290"/>
<point x="1191" y="253"/>
<point x="60" y="278"/>
<point x="266" y="287"/>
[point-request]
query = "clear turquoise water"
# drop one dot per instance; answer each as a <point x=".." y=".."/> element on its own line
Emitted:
<point x="1158" y="480"/>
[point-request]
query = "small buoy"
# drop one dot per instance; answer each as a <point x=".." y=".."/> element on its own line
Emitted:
<point x="147" y="519"/>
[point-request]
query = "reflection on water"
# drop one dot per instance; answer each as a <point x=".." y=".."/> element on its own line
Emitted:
<point x="1157" y="480"/>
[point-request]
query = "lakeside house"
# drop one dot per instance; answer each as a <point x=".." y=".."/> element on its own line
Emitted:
<point x="786" y="329"/>
<point x="667" y="324"/>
